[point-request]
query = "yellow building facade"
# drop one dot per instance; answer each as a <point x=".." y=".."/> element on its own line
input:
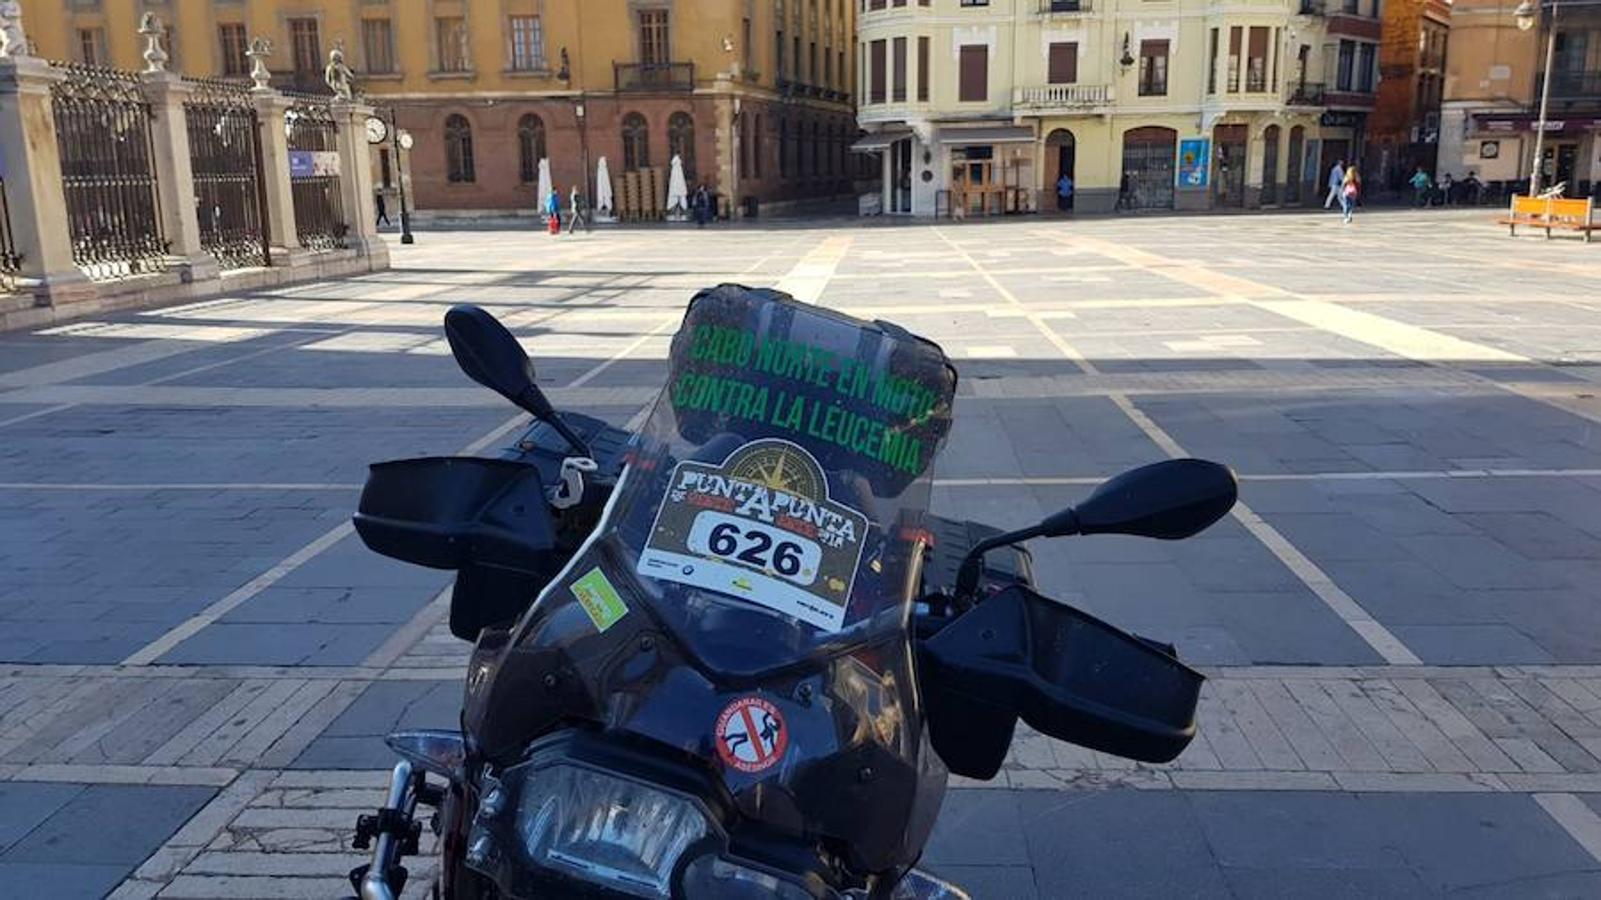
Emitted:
<point x="1493" y="75"/>
<point x="754" y="95"/>
<point x="982" y="107"/>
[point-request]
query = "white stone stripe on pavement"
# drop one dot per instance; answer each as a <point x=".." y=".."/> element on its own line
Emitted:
<point x="1576" y="818"/>
<point x="810" y="276"/>
<point x="1382" y="640"/>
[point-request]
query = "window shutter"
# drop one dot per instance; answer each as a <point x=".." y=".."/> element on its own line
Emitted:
<point x="974" y="73"/>
<point x="1064" y="63"/>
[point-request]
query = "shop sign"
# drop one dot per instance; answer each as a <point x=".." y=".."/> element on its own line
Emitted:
<point x="1334" y="119"/>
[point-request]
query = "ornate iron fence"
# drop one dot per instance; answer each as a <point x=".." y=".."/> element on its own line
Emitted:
<point x="108" y="175"/>
<point x="10" y="260"/>
<point x="225" y="157"/>
<point x="314" y="173"/>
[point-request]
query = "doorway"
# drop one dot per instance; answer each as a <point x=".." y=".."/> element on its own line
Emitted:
<point x="1557" y="165"/>
<point x="1148" y="168"/>
<point x="1228" y="165"/>
<point x="900" y="173"/>
<point x="1060" y="159"/>
<point x="1270" y="165"/>
<point x="1293" y="167"/>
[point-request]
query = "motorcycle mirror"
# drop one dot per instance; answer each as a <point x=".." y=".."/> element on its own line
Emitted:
<point x="1174" y="499"/>
<point x="491" y="356"/>
<point x="1170" y="500"/>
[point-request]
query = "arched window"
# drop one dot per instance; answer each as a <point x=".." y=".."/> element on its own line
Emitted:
<point x="530" y="147"/>
<point x="681" y="141"/>
<point x="459" y="150"/>
<point x="636" y="142"/>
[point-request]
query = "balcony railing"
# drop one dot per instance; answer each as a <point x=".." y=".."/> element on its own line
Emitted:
<point x="1307" y="93"/>
<point x="1314" y="8"/>
<point x="1065" y="96"/>
<point x="1047" y="7"/>
<point x="1573" y="84"/>
<point x="654" y="76"/>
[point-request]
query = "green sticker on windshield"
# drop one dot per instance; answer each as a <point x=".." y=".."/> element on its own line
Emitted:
<point x="599" y="599"/>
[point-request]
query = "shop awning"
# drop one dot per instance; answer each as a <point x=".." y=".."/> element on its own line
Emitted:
<point x="877" y="143"/>
<point x="995" y="134"/>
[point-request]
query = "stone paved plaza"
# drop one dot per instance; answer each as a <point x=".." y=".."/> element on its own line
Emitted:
<point x="1401" y="621"/>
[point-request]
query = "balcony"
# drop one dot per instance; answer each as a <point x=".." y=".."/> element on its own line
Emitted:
<point x="1572" y="85"/>
<point x="1354" y="97"/>
<point x="1306" y="94"/>
<point x="1063" y="97"/>
<point x="1065" y="7"/>
<point x="654" y="76"/>
<point x="1314" y="7"/>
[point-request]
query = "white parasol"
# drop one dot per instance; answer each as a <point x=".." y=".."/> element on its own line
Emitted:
<point x="545" y="186"/>
<point x="677" y="188"/>
<point x="603" y="197"/>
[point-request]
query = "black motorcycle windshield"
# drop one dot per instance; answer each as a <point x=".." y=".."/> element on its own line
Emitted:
<point x="765" y="506"/>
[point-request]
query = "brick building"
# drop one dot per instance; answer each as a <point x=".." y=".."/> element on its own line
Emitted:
<point x="1404" y="129"/>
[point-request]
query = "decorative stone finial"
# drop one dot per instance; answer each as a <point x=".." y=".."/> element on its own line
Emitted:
<point x="260" y="49"/>
<point x="13" y="42"/>
<point x="155" y="57"/>
<point x="338" y="75"/>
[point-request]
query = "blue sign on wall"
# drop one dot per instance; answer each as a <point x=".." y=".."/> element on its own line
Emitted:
<point x="1195" y="162"/>
<point x="300" y="164"/>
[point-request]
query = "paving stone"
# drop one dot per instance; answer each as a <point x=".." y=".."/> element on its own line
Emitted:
<point x="77" y="833"/>
<point x="1350" y="883"/>
<point x="23" y="806"/>
<point x="60" y="880"/>
<point x="979" y="828"/>
<point x="1117" y="844"/>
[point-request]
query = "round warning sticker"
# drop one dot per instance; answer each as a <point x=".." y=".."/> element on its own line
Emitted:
<point x="751" y="734"/>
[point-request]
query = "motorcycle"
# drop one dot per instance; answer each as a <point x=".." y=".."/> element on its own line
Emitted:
<point x="733" y="655"/>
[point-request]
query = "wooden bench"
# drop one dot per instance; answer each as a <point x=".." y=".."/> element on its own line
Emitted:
<point x="1549" y="213"/>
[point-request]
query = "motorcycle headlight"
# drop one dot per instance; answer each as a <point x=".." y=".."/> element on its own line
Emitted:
<point x="607" y="830"/>
<point x="713" y="878"/>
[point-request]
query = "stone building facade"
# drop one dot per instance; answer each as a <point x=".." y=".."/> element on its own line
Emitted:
<point x="766" y="85"/>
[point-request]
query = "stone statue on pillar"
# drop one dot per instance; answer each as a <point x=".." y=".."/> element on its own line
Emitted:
<point x="260" y="49"/>
<point x="13" y="42"/>
<point x="338" y="75"/>
<point x="155" y="57"/>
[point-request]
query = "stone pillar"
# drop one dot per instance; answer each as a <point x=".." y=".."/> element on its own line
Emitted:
<point x="28" y="150"/>
<point x="725" y="144"/>
<point x="282" y="239"/>
<point x="355" y="182"/>
<point x="175" y="181"/>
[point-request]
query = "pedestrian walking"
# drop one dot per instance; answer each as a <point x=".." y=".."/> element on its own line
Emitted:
<point x="1064" y="192"/>
<point x="383" y="212"/>
<point x="553" y="211"/>
<point x="701" y="204"/>
<point x="1125" y="192"/>
<point x="1336" y="183"/>
<point x="575" y="207"/>
<point x="1350" y="190"/>
<point x="1421" y="182"/>
<point x="1447" y="187"/>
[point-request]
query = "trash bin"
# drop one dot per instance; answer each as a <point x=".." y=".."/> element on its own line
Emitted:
<point x="752" y="206"/>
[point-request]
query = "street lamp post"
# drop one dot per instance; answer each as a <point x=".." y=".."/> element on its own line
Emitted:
<point x="400" y="175"/>
<point x="1527" y="16"/>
